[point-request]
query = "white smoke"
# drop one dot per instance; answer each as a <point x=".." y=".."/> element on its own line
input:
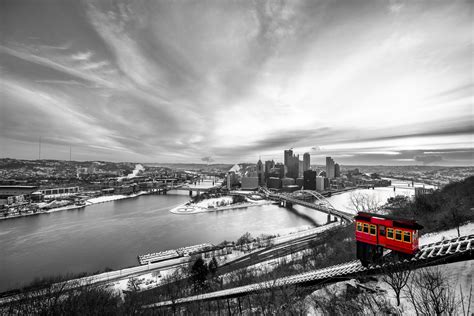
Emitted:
<point x="135" y="172"/>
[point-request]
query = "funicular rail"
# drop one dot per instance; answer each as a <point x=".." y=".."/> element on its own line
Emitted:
<point x="447" y="251"/>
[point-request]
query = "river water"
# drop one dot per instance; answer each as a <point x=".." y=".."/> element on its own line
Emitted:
<point x="113" y="234"/>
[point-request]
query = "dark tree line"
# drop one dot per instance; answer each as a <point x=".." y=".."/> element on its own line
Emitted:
<point x="447" y="208"/>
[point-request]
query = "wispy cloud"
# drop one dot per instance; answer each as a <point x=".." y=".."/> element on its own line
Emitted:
<point x="167" y="81"/>
<point x="82" y="56"/>
<point x="28" y="55"/>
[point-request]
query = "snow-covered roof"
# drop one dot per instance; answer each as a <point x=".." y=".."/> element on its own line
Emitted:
<point x="235" y="168"/>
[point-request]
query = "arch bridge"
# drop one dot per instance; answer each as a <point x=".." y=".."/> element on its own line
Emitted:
<point x="301" y="198"/>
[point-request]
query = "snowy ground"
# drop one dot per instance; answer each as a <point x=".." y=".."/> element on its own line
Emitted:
<point x="144" y="281"/>
<point x="110" y="198"/>
<point x="149" y="280"/>
<point x="215" y="204"/>
<point x="467" y="229"/>
<point x="460" y="274"/>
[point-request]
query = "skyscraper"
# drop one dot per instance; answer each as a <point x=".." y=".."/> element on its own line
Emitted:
<point x="330" y="170"/>
<point x="280" y="168"/>
<point x="309" y="180"/>
<point x="319" y="183"/>
<point x="306" y="162"/>
<point x="287" y="156"/>
<point x="269" y="164"/>
<point x="292" y="164"/>
<point x="260" y="172"/>
<point x="337" y="170"/>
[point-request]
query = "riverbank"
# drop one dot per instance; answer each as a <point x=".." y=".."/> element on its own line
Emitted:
<point x="89" y="202"/>
<point x="111" y="198"/>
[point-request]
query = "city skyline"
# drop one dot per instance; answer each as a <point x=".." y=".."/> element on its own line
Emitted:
<point x="365" y="82"/>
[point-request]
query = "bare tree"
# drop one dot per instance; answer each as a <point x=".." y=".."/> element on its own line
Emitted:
<point x="456" y="215"/>
<point x="335" y="302"/>
<point x="364" y="202"/>
<point x="64" y="298"/>
<point x="173" y="286"/>
<point x="396" y="276"/>
<point x="466" y="309"/>
<point x="430" y="294"/>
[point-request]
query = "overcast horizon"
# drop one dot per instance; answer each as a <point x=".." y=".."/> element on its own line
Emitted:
<point x="221" y="81"/>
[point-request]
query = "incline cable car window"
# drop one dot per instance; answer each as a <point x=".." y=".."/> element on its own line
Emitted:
<point x="359" y="226"/>
<point x="407" y="237"/>
<point x="398" y="234"/>
<point x="382" y="230"/>
<point x="366" y="228"/>
<point x="373" y="230"/>
<point x="390" y="233"/>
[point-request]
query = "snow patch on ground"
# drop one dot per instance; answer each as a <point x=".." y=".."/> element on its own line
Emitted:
<point x="110" y="198"/>
<point x="466" y="229"/>
<point x="215" y="202"/>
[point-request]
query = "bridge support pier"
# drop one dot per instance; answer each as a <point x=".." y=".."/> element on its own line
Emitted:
<point x="285" y="204"/>
<point x="190" y="193"/>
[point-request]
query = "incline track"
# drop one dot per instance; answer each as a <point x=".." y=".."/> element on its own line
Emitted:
<point x="453" y="250"/>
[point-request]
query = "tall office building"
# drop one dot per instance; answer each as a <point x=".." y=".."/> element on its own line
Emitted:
<point x="337" y="170"/>
<point x="288" y="154"/>
<point x="292" y="164"/>
<point x="330" y="170"/>
<point x="320" y="183"/>
<point x="309" y="180"/>
<point x="277" y="171"/>
<point x="269" y="164"/>
<point x="306" y="162"/>
<point x="260" y="173"/>
<point x="293" y="167"/>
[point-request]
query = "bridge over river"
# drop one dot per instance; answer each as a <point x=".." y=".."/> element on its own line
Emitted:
<point x="301" y="197"/>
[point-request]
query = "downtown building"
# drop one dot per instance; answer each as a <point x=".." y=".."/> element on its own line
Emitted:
<point x="309" y="180"/>
<point x="292" y="164"/>
<point x="306" y="161"/>
<point x="260" y="173"/>
<point x="269" y="165"/>
<point x="330" y="169"/>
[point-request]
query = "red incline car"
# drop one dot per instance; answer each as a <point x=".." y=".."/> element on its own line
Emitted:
<point x="374" y="232"/>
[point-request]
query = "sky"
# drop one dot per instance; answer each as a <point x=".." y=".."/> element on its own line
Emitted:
<point x="227" y="81"/>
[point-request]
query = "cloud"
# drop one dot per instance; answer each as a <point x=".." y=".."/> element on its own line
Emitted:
<point x="428" y="159"/>
<point x="81" y="56"/>
<point x="27" y="54"/>
<point x="169" y="81"/>
<point x="207" y="159"/>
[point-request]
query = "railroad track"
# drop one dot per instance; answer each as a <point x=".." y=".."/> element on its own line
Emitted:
<point x="452" y="250"/>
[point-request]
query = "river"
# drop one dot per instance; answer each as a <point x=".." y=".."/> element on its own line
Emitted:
<point x="113" y="234"/>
